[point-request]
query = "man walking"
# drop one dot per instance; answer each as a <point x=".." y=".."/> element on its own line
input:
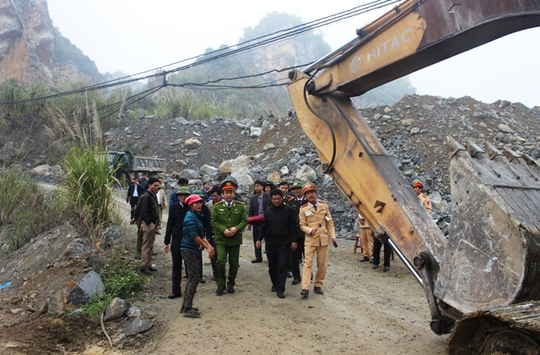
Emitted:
<point x="316" y="222"/>
<point x="229" y="218"/>
<point x="279" y="229"/>
<point x="296" y="255"/>
<point x="149" y="216"/>
<point x="258" y="202"/>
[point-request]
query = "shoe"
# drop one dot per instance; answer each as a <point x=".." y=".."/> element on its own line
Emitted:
<point x="183" y="310"/>
<point x="155" y="253"/>
<point x="304" y="293"/>
<point x="191" y="313"/>
<point x="318" y="290"/>
<point x="152" y="269"/>
<point x="386" y="268"/>
<point x="364" y="259"/>
<point x="146" y="271"/>
<point x="172" y="296"/>
<point x="296" y="281"/>
<point x="256" y="260"/>
<point x="201" y="280"/>
<point x="371" y="261"/>
<point x="273" y="289"/>
<point x="280" y="294"/>
<point x="375" y="266"/>
<point x="289" y="274"/>
<point x="220" y="290"/>
<point x="230" y="289"/>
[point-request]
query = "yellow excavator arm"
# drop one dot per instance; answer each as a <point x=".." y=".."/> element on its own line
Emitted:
<point x="492" y="255"/>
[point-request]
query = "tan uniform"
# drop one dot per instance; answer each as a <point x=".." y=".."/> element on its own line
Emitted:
<point x="426" y="202"/>
<point x="366" y="238"/>
<point x="311" y="218"/>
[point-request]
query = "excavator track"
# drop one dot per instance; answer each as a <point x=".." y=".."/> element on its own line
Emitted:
<point x="513" y="329"/>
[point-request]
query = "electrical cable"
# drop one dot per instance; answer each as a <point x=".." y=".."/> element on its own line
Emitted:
<point x="241" y="47"/>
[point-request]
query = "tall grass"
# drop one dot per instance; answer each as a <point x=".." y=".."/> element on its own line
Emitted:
<point x="25" y="212"/>
<point x="89" y="184"/>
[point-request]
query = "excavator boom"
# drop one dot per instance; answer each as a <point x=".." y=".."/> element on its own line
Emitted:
<point x="491" y="258"/>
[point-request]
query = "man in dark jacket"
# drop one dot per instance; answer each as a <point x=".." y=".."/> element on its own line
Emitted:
<point x="133" y="193"/>
<point x="257" y="203"/>
<point x="149" y="217"/>
<point x="173" y="238"/>
<point x="279" y="229"/>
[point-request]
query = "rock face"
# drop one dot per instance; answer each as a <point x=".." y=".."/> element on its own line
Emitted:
<point x="28" y="46"/>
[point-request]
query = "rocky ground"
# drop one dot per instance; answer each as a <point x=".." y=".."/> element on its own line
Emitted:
<point x="361" y="310"/>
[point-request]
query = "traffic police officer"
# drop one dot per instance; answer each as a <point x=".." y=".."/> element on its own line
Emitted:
<point x="426" y="202"/>
<point x="318" y="226"/>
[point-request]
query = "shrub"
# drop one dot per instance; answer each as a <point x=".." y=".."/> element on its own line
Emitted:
<point x="25" y="212"/>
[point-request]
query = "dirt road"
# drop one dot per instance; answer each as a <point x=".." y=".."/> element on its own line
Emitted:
<point x="362" y="310"/>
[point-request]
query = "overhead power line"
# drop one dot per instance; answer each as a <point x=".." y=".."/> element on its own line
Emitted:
<point x="217" y="55"/>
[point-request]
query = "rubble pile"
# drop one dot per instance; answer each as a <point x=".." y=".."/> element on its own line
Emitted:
<point x="413" y="131"/>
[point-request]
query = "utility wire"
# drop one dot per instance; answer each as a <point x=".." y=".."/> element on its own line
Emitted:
<point x="224" y="52"/>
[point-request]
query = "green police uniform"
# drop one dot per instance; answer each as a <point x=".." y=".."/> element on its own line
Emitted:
<point x="223" y="218"/>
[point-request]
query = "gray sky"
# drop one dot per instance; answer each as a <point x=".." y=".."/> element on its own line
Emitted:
<point x="135" y="35"/>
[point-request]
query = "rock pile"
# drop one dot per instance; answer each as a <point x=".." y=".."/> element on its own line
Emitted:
<point x="275" y="148"/>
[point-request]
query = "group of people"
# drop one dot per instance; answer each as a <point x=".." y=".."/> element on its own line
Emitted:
<point x="371" y="246"/>
<point x="293" y="224"/>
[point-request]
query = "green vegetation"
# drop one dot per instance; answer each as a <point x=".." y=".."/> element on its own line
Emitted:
<point x="24" y="211"/>
<point x="121" y="278"/>
<point x="89" y="184"/>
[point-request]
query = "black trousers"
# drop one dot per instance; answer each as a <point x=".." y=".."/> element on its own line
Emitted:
<point x="296" y="256"/>
<point x="377" y="244"/>
<point x="256" y="232"/>
<point x="279" y="257"/>
<point x="176" y="272"/>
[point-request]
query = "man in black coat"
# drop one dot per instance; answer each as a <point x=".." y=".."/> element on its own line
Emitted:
<point x="173" y="238"/>
<point x="279" y="229"/>
<point x="149" y="218"/>
<point x="257" y="203"/>
<point x="133" y="193"/>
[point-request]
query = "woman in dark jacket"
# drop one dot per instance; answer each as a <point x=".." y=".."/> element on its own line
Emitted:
<point x="193" y="232"/>
<point x="173" y="238"/>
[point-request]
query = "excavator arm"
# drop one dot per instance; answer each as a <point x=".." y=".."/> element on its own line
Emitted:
<point x="491" y="258"/>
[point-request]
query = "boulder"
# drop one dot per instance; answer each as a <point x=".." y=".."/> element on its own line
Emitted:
<point x="137" y="326"/>
<point x="115" y="309"/>
<point x="193" y="143"/>
<point x="82" y="292"/>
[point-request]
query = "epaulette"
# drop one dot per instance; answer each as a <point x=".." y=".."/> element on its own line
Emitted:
<point x="322" y="201"/>
<point x="243" y="203"/>
<point x="304" y="206"/>
<point x="222" y="201"/>
<point x="290" y="198"/>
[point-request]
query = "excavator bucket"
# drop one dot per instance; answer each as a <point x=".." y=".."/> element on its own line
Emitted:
<point x="492" y="256"/>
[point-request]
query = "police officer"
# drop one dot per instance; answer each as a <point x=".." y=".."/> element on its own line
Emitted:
<point x="229" y="218"/>
<point x="426" y="202"/>
<point x="318" y="226"/>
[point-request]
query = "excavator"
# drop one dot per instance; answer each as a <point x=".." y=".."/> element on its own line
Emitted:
<point x="481" y="280"/>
